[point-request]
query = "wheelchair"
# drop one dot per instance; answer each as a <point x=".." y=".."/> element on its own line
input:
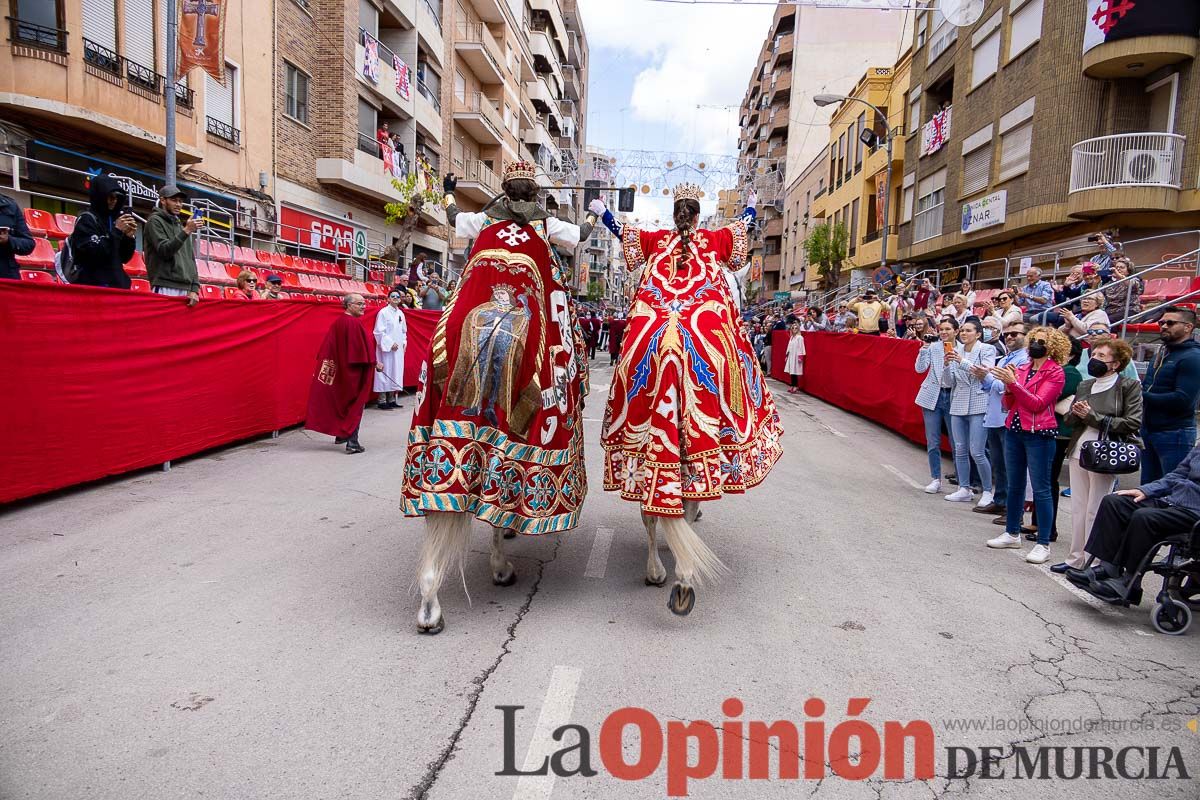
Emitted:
<point x="1179" y="568"/>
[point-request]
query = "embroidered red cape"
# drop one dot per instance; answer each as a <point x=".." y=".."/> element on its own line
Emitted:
<point x="689" y="414"/>
<point x="498" y="432"/>
<point x="342" y="383"/>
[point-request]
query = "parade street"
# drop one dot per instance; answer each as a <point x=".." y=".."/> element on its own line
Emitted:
<point x="243" y="626"/>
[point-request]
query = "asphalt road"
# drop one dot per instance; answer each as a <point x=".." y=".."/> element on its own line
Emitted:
<point x="243" y="627"/>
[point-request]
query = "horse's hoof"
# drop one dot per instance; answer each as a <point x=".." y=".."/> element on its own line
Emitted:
<point x="683" y="598"/>
<point x="651" y="582"/>
<point x="505" y="580"/>
<point x="699" y="514"/>
<point x="510" y="534"/>
<point x="434" y="629"/>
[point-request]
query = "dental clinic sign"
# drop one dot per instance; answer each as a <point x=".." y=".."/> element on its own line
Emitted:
<point x="984" y="212"/>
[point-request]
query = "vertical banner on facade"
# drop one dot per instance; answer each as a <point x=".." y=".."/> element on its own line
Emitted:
<point x="403" y="78"/>
<point x="756" y="266"/>
<point x="370" y="65"/>
<point x="202" y="38"/>
<point x="936" y="132"/>
<point x="880" y="196"/>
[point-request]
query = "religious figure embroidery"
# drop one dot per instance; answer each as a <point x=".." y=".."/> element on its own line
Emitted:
<point x="490" y="350"/>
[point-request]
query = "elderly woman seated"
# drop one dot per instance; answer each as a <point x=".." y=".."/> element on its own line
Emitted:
<point x="1131" y="522"/>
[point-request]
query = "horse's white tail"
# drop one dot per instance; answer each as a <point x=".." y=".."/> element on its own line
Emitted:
<point x="447" y="536"/>
<point x="695" y="562"/>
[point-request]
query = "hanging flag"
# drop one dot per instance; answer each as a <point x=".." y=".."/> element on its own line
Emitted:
<point x="880" y="194"/>
<point x="370" y="67"/>
<point x="202" y="38"/>
<point x="389" y="158"/>
<point x="936" y="132"/>
<point x="1113" y="20"/>
<point x="403" y="78"/>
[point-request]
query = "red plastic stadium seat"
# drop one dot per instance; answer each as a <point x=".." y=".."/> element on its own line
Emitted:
<point x="232" y="293"/>
<point x="66" y="223"/>
<point x="42" y="223"/>
<point x="244" y="256"/>
<point x="233" y="270"/>
<point x="983" y="295"/>
<point x="289" y="279"/>
<point x="1154" y="289"/>
<point x="219" y="251"/>
<point x="1177" y="287"/>
<point x="139" y="285"/>
<point x="42" y="256"/>
<point x="217" y="273"/>
<point x="210" y="292"/>
<point x="38" y="276"/>
<point x="264" y="258"/>
<point x="136" y="266"/>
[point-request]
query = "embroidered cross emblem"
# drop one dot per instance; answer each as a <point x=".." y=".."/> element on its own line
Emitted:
<point x="1109" y="12"/>
<point x="513" y="235"/>
<point x="202" y="9"/>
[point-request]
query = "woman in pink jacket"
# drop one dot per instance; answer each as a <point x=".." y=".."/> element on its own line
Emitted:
<point x="1030" y="393"/>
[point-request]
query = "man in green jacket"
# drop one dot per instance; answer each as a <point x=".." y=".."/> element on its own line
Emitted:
<point x="170" y="259"/>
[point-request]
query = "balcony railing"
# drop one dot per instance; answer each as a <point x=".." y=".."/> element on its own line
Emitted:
<point x="385" y="53"/>
<point x="477" y="103"/>
<point x="224" y="131"/>
<point x="1128" y="160"/>
<point x="475" y="170"/>
<point x="429" y="95"/>
<point x="928" y="223"/>
<point x="478" y="33"/>
<point x="368" y="144"/>
<point x="31" y="34"/>
<point x="119" y="70"/>
<point x="435" y="11"/>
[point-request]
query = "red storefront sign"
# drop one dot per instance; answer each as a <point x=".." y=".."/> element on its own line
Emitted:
<point x="319" y="233"/>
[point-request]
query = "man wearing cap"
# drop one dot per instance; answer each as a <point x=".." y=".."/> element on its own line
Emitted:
<point x="273" y="289"/>
<point x="170" y="259"/>
<point x="391" y="338"/>
<point x="869" y="312"/>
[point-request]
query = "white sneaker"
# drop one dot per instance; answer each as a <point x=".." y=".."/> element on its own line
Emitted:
<point x="934" y="486"/>
<point x="1040" y="554"/>
<point x="987" y="499"/>
<point x="962" y="495"/>
<point x="1003" y="541"/>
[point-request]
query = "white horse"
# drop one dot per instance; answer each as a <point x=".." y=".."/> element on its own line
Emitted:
<point x="447" y="536"/>
<point x="695" y="562"/>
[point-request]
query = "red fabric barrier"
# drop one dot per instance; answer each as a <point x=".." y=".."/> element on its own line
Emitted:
<point x="868" y="375"/>
<point x="99" y="381"/>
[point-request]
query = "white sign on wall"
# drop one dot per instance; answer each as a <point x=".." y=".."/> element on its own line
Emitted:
<point x="984" y="212"/>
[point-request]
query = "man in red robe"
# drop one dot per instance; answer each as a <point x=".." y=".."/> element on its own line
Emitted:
<point x="342" y="384"/>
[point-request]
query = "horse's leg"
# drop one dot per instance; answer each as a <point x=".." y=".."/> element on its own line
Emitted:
<point x="656" y="573"/>
<point x="694" y="562"/>
<point x="445" y="545"/>
<point x="691" y="510"/>
<point x="503" y="573"/>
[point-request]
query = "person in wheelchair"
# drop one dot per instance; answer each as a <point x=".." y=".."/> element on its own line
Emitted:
<point x="1132" y="522"/>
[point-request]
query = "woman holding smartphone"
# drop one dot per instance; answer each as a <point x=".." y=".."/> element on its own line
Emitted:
<point x="968" y="402"/>
<point x="934" y="396"/>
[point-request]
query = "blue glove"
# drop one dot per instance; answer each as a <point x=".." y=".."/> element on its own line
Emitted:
<point x="611" y="223"/>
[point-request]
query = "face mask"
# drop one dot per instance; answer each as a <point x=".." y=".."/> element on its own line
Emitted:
<point x="989" y="335"/>
<point x="1037" y="350"/>
<point x="1097" y="369"/>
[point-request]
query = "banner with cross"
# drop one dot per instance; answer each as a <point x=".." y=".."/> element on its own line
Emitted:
<point x="202" y="38"/>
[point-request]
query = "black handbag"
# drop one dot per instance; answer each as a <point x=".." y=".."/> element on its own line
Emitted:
<point x="1108" y="456"/>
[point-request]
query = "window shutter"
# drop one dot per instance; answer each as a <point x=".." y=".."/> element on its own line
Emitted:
<point x="100" y="22"/>
<point x="1026" y="27"/>
<point x="977" y="167"/>
<point x="139" y="33"/>
<point x="1014" y="151"/>
<point x="985" y="58"/>
<point x="368" y="18"/>
<point x="218" y="99"/>
<point x="906" y="208"/>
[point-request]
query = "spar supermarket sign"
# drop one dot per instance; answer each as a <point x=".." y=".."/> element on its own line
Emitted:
<point x="321" y="233"/>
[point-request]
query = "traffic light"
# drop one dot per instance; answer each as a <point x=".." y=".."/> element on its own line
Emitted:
<point x="625" y="200"/>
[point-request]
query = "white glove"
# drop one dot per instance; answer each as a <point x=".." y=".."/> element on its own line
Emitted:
<point x="597" y="207"/>
<point x="752" y="199"/>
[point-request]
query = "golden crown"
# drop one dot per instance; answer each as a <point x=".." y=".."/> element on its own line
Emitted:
<point x="520" y="169"/>
<point x="688" y="191"/>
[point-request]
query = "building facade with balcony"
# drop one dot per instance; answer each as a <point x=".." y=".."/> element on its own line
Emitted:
<point x="803" y="211"/>
<point x="83" y="90"/>
<point x="334" y="93"/>
<point x="807" y="51"/>
<point x="1036" y="127"/>
<point x="857" y="173"/>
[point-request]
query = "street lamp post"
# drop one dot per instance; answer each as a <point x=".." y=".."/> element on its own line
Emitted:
<point x="830" y="99"/>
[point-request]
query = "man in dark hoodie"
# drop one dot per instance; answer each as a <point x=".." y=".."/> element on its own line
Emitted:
<point x="102" y="241"/>
<point x="1170" y="393"/>
<point x="170" y="260"/>
<point x="15" y="239"/>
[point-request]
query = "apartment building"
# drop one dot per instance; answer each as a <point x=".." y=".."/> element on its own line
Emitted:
<point x="807" y="51"/>
<point x="802" y="212"/>
<point x="345" y="69"/>
<point x="859" y="176"/>
<point x="82" y="91"/>
<point x="1044" y="122"/>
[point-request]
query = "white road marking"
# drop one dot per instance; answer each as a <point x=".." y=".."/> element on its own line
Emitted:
<point x="597" y="563"/>
<point x="902" y="476"/>
<point x="556" y="711"/>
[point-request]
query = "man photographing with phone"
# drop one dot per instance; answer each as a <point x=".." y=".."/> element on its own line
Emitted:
<point x="170" y="258"/>
<point x="103" y="239"/>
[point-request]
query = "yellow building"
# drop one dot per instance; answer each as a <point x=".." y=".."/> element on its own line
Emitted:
<point x="857" y="174"/>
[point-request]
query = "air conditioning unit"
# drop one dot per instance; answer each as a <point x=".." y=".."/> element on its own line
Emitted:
<point x="1146" y="166"/>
